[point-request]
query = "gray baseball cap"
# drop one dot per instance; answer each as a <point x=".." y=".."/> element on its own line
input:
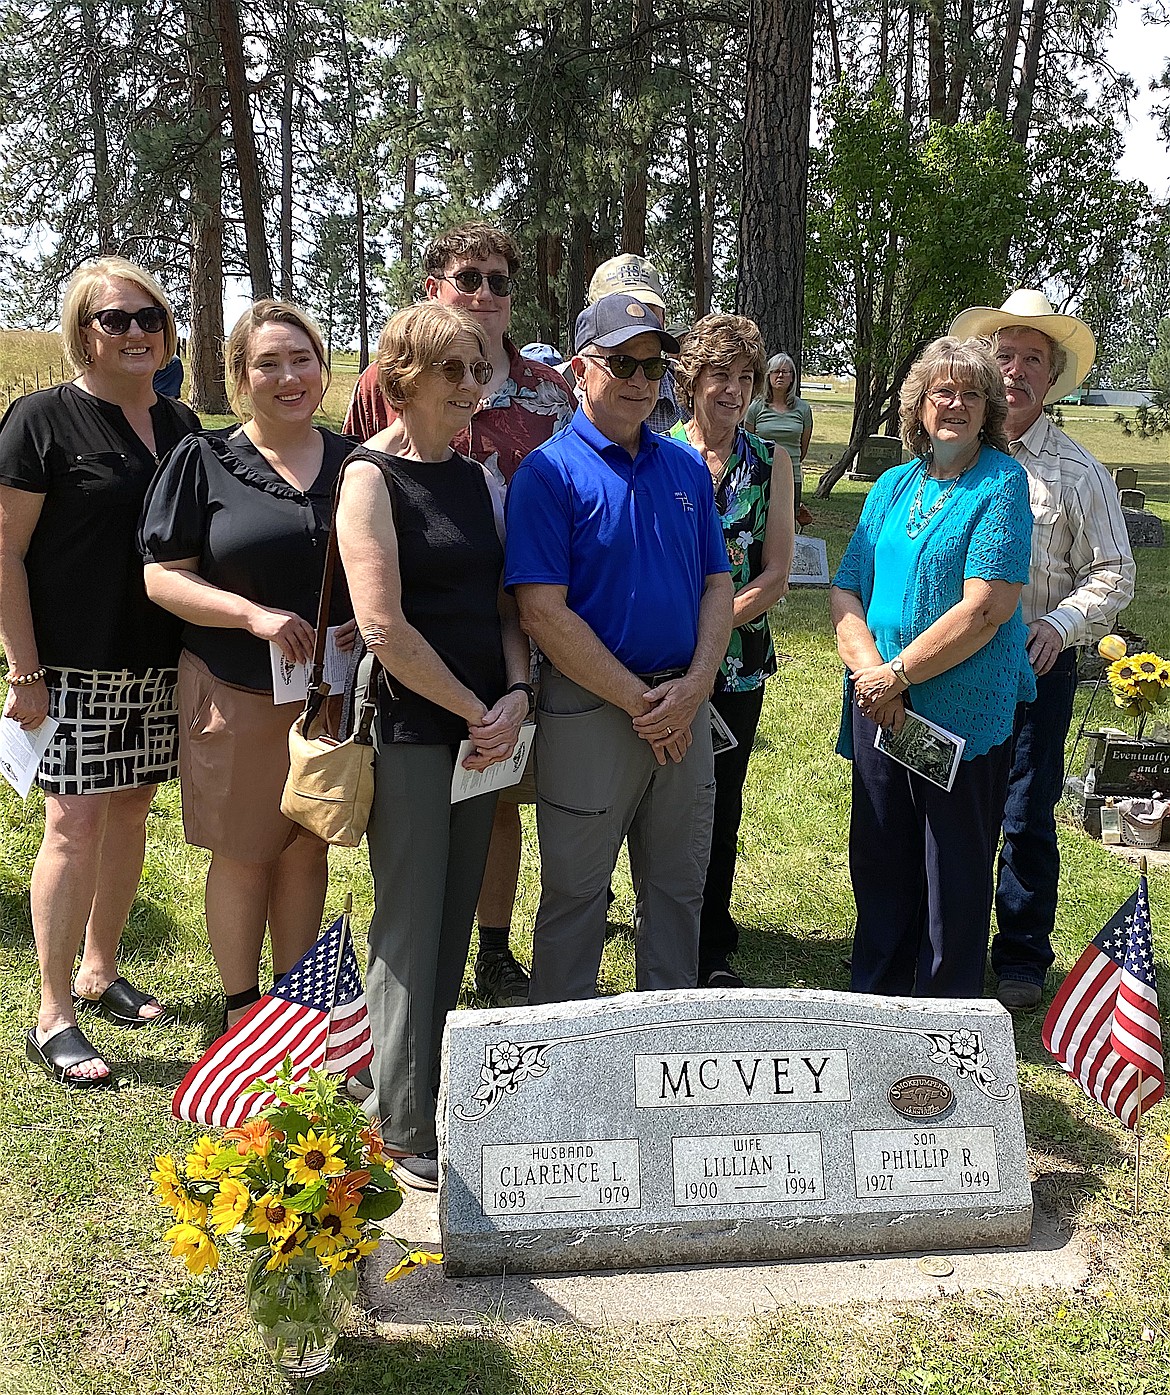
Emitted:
<point x="615" y="320"/>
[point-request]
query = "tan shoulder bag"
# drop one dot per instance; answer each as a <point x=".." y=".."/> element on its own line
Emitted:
<point x="330" y="785"/>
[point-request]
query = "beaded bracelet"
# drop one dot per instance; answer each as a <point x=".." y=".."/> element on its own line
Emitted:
<point x="24" y="680"/>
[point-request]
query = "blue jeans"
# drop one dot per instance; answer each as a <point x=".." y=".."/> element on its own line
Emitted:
<point x="1029" y="861"/>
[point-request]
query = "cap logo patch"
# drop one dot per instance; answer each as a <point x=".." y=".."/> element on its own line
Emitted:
<point x="638" y="311"/>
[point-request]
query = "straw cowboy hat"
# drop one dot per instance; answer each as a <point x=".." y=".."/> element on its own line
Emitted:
<point x="1032" y="310"/>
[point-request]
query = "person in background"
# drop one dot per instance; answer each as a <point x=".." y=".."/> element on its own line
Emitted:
<point x="619" y="568"/>
<point x="1082" y="576"/>
<point x="234" y="534"/>
<point x="630" y="274"/>
<point x="926" y="605"/>
<point x="473" y="268"/>
<point x="86" y="647"/>
<point x="417" y="532"/>
<point x="548" y="354"/>
<point x="783" y="417"/>
<point x="720" y="370"/>
<point x="168" y="381"/>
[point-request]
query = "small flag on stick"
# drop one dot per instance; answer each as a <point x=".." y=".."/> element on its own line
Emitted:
<point x="316" y="1016"/>
<point x="1103" y="1025"/>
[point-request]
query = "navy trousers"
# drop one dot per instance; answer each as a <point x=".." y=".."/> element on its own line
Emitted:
<point x="1029" y="862"/>
<point x="921" y="860"/>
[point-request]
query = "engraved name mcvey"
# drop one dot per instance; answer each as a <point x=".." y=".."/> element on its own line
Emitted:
<point x="798" y="1077"/>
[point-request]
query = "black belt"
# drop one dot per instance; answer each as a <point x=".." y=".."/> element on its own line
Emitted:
<point x="664" y="675"/>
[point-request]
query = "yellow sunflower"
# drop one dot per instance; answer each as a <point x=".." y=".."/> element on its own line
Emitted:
<point x="314" y="1158"/>
<point x="230" y="1205"/>
<point x="1145" y="666"/>
<point x="165" y="1177"/>
<point x="170" y="1190"/>
<point x="413" y="1259"/>
<point x="286" y="1249"/>
<point x="346" y="1259"/>
<point x="337" y="1228"/>
<point x="193" y="1245"/>
<point x="201" y="1163"/>
<point x="271" y="1217"/>
<point x="1123" y="677"/>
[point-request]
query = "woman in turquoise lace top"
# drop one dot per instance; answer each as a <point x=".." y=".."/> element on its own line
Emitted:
<point x="721" y="366"/>
<point x="926" y="608"/>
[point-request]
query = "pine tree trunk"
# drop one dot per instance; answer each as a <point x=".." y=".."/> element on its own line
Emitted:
<point x="1007" y="55"/>
<point x="936" y="61"/>
<point x="102" y="183"/>
<point x="770" y="285"/>
<point x="288" y="90"/>
<point x="700" y="296"/>
<point x="409" y="177"/>
<point x="227" y="17"/>
<point x="206" y="207"/>
<point x="908" y="85"/>
<point x="635" y="185"/>
<point x="1026" y="93"/>
<point x="834" y="44"/>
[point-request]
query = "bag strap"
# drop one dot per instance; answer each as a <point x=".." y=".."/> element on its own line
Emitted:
<point x="318" y="689"/>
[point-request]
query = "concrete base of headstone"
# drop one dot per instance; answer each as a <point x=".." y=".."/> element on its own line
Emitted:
<point x="1144" y="529"/>
<point x="697" y="1126"/>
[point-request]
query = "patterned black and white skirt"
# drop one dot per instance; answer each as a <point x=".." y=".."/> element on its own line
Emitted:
<point x="119" y="730"/>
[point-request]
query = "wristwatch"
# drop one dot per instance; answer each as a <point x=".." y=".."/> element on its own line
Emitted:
<point x="898" y="668"/>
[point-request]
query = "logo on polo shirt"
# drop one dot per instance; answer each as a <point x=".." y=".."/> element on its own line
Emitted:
<point x="681" y="496"/>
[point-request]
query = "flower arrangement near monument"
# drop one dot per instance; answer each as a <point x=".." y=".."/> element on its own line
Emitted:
<point x="301" y="1187"/>
<point x="1140" y="683"/>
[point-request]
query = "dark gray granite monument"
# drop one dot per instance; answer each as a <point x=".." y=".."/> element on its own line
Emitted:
<point x="665" y="1128"/>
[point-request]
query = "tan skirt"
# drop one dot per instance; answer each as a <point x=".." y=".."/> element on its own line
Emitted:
<point x="233" y="762"/>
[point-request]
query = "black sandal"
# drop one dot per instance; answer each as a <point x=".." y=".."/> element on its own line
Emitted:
<point x="61" y="1053"/>
<point x="122" y="1004"/>
<point x="234" y="1001"/>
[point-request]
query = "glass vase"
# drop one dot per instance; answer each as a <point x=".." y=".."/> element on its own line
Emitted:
<point x="298" y="1312"/>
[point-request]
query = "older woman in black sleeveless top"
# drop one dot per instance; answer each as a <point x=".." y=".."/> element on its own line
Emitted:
<point x="418" y="533"/>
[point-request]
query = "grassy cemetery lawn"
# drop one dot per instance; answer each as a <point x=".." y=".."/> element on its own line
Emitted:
<point x="91" y="1301"/>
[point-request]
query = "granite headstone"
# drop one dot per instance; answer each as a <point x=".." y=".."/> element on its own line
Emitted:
<point x="663" y="1128"/>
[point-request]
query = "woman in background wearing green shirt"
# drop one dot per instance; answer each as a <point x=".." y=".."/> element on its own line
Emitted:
<point x="783" y="418"/>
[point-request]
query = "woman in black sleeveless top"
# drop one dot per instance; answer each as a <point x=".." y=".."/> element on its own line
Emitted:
<point x="418" y="533"/>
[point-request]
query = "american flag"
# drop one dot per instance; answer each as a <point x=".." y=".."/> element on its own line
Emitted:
<point x="316" y="1016"/>
<point x="1103" y="1025"/>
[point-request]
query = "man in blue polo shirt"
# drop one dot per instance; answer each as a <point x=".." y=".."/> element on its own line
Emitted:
<point x="617" y="562"/>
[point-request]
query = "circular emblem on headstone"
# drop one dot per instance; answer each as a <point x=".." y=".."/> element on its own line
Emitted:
<point x="921" y="1097"/>
<point x="637" y="309"/>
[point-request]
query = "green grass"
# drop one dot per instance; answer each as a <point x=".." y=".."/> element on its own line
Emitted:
<point x="91" y="1303"/>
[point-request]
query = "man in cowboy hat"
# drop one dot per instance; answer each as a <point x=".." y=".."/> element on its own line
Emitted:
<point x="1081" y="577"/>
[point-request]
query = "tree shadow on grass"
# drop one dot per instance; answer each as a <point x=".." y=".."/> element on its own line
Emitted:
<point x="449" y="1362"/>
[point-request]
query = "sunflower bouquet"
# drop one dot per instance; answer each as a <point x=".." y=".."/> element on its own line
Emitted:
<point x="302" y="1187"/>
<point x="1140" y="683"/>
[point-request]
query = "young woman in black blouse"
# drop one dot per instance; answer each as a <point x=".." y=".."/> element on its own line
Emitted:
<point x="85" y="646"/>
<point x="417" y="532"/>
<point x="234" y="535"/>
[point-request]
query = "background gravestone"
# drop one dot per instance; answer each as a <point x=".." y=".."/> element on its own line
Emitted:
<point x="661" y="1128"/>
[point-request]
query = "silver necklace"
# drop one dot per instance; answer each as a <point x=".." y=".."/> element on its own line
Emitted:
<point x="916" y="521"/>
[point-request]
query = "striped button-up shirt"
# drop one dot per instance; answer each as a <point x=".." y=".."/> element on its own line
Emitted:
<point x="1082" y="570"/>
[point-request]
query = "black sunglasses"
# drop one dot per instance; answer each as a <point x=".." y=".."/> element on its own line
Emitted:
<point x="470" y="279"/>
<point x="453" y="369"/>
<point x="151" y="319"/>
<point x="625" y="365"/>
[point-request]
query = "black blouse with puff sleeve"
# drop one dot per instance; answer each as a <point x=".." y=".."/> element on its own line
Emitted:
<point x="217" y="498"/>
<point x="89" y="605"/>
